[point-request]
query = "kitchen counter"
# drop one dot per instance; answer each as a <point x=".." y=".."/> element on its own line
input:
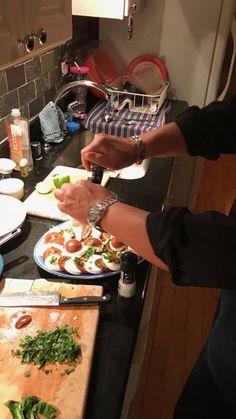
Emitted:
<point x="119" y="321"/>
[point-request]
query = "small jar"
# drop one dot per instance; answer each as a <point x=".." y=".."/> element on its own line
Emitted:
<point x="24" y="168"/>
<point x="127" y="281"/>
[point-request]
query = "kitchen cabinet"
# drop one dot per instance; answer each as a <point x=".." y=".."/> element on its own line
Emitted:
<point x="28" y="28"/>
<point x="106" y="8"/>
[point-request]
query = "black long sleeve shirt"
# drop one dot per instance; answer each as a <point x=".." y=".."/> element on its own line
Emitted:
<point x="200" y="249"/>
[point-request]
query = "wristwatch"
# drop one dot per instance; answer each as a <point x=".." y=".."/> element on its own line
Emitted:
<point x="96" y="212"/>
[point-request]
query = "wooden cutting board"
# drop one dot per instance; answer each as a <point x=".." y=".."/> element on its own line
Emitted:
<point x="45" y="205"/>
<point x="66" y="392"/>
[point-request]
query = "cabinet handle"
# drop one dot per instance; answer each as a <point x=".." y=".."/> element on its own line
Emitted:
<point x="27" y="42"/>
<point x="42" y="36"/>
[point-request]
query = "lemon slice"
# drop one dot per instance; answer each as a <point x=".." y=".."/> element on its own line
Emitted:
<point x="43" y="187"/>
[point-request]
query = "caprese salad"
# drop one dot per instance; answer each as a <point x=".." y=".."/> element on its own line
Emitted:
<point x="65" y="250"/>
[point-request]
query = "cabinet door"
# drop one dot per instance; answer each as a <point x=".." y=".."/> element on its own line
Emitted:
<point x="11" y="26"/>
<point x="100" y="8"/>
<point x="52" y="16"/>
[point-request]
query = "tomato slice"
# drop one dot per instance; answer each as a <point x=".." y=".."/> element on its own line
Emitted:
<point x="73" y="245"/>
<point x="54" y="237"/>
<point x="51" y="251"/>
<point x="62" y="260"/>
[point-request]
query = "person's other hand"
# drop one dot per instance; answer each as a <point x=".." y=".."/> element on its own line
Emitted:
<point x="76" y="200"/>
<point x="110" y="152"/>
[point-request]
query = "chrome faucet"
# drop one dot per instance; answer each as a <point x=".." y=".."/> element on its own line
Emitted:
<point x="87" y="83"/>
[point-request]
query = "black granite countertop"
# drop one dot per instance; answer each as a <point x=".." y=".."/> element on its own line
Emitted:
<point x="119" y="321"/>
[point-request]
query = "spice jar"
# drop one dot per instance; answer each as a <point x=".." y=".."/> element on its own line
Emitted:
<point x="24" y="167"/>
<point x="127" y="281"/>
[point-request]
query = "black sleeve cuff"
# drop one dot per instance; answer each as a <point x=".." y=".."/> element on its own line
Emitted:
<point x="198" y="249"/>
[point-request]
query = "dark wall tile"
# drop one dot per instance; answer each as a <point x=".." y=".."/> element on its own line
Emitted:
<point x="49" y="61"/>
<point x="27" y="93"/>
<point x="25" y="111"/>
<point x="33" y="69"/>
<point x="8" y="102"/>
<point x="2" y="108"/>
<point x="3" y="83"/>
<point x="49" y="95"/>
<point x="15" y="77"/>
<point x="42" y="84"/>
<point x="11" y="101"/>
<point x="36" y="106"/>
<point x="55" y="77"/>
<point x="3" y="131"/>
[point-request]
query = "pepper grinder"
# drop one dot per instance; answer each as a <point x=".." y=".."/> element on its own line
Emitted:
<point x="127" y="281"/>
<point x="97" y="174"/>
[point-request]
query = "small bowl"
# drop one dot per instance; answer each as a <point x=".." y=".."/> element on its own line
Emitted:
<point x="6" y="166"/>
<point x="13" y="187"/>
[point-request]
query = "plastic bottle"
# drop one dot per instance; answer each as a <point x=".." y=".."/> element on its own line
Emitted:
<point x="80" y="73"/>
<point x="18" y="137"/>
<point x="127" y="281"/>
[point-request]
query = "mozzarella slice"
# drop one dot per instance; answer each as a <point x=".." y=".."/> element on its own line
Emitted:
<point x="44" y="246"/>
<point x="71" y="267"/>
<point x="112" y="266"/>
<point x="51" y="262"/>
<point x="91" y="267"/>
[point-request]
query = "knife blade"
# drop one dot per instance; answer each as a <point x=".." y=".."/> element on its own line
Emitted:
<point x="49" y="299"/>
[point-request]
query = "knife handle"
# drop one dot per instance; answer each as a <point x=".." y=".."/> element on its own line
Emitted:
<point x="85" y="301"/>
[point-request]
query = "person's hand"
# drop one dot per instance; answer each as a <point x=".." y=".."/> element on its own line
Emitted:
<point x="76" y="200"/>
<point x="110" y="152"/>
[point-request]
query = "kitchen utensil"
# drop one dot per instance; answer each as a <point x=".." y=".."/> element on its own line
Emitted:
<point x="13" y="214"/>
<point x="48" y="299"/>
<point x="67" y="392"/>
<point x="9" y="236"/>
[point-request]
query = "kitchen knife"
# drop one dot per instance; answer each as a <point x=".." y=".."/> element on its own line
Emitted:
<point x="49" y="299"/>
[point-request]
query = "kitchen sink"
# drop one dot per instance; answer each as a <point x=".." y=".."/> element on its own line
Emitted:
<point x="71" y="157"/>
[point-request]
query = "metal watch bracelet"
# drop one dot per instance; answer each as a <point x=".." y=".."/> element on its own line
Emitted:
<point x="96" y="212"/>
<point x="141" y="148"/>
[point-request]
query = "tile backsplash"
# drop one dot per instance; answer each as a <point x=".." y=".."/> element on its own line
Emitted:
<point x="33" y="83"/>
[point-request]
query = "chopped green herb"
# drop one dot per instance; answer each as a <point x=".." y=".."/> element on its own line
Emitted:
<point x="53" y="259"/>
<point x="27" y="374"/>
<point x="31" y="407"/>
<point x="108" y="256"/>
<point x="52" y="346"/>
<point x="69" y="370"/>
<point x="90" y="251"/>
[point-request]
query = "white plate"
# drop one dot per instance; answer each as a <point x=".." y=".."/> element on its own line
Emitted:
<point x="40" y="262"/>
<point x="13" y="214"/>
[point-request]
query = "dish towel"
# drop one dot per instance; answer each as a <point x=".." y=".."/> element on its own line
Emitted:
<point x="52" y="123"/>
<point x="125" y="122"/>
